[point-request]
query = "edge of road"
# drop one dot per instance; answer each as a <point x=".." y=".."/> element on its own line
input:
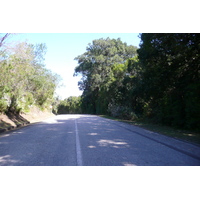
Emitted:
<point x="10" y="128"/>
<point x="18" y="126"/>
<point x="188" y="148"/>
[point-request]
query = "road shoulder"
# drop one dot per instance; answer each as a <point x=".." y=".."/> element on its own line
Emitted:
<point x="13" y="121"/>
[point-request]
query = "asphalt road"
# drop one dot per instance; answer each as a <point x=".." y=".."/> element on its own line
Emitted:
<point x="87" y="140"/>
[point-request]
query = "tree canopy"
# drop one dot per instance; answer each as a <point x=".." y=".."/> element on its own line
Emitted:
<point x="102" y="64"/>
<point x="24" y="80"/>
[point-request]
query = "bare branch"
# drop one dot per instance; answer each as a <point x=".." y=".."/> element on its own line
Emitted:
<point x="3" y="39"/>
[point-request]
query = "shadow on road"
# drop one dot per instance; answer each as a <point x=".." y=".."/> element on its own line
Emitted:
<point x="41" y="143"/>
<point x="53" y="143"/>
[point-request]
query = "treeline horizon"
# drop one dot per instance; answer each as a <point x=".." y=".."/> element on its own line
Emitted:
<point x="159" y="81"/>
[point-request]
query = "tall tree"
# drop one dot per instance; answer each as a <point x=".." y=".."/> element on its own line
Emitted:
<point x="96" y="66"/>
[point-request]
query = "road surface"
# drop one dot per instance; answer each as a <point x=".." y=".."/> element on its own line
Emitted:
<point x="88" y="140"/>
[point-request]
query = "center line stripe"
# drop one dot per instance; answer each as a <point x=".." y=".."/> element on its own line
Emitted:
<point x="78" y="147"/>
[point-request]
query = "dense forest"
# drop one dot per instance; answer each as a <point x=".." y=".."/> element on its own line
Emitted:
<point x="24" y="80"/>
<point x="160" y="80"/>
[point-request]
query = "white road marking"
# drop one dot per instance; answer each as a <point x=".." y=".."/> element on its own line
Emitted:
<point x="78" y="147"/>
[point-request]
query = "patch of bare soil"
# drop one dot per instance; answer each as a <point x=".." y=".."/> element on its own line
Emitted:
<point x="11" y="120"/>
<point x="5" y="122"/>
<point x="36" y="115"/>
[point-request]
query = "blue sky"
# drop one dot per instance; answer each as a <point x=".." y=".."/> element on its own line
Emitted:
<point x="62" y="48"/>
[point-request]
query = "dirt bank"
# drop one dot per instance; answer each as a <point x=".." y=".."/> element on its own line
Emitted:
<point x="11" y="121"/>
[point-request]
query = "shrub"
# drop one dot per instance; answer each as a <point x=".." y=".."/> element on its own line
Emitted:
<point x="123" y="112"/>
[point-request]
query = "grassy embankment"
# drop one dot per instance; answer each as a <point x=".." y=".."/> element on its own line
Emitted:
<point x="191" y="136"/>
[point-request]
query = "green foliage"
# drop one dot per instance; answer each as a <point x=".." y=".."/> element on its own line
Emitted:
<point x="3" y="105"/>
<point x="171" y="77"/>
<point x="71" y="105"/>
<point x="100" y="66"/>
<point x="121" y="111"/>
<point x="24" y="81"/>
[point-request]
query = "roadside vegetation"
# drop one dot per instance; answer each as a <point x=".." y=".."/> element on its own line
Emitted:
<point x="24" y="80"/>
<point x="27" y="88"/>
<point x="71" y="105"/>
<point x="157" y="82"/>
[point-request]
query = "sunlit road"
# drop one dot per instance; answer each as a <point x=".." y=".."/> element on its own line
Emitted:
<point x="87" y="140"/>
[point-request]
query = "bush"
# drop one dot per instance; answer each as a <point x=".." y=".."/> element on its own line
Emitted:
<point x="122" y="112"/>
<point x="3" y="106"/>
